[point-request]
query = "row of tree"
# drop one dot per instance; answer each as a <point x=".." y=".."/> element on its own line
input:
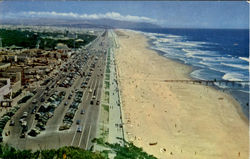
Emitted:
<point x="127" y="150"/>
<point x="29" y="39"/>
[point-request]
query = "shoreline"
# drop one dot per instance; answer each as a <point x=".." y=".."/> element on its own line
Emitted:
<point x="163" y="112"/>
<point x="242" y="107"/>
<point x="239" y="106"/>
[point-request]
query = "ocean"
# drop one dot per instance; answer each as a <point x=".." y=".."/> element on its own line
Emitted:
<point x="221" y="54"/>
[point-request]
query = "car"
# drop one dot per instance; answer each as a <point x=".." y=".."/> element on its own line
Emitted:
<point x="82" y="111"/>
<point x="34" y="92"/>
<point x="25" y="114"/>
<point x="12" y="123"/>
<point x="41" y="126"/>
<point x="91" y="102"/>
<point x="34" y="132"/>
<point x="25" y="129"/>
<point x="97" y="102"/>
<point x="64" y="127"/>
<point x="66" y="103"/>
<point x="22" y="135"/>
<point x="79" y="129"/>
<point x="90" y="90"/>
<point x="34" y="101"/>
<point x="78" y="122"/>
<point x="33" y="111"/>
<point x="42" y="100"/>
<point x="24" y="123"/>
<point x="21" y="120"/>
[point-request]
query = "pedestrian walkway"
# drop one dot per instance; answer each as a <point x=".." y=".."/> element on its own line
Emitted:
<point x="115" y="122"/>
<point x="110" y="126"/>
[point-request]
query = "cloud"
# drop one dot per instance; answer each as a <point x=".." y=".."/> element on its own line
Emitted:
<point x="108" y="15"/>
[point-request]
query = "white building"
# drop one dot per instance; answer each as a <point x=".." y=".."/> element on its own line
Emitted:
<point x="5" y="90"/>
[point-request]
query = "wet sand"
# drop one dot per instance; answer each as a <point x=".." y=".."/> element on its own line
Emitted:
<point x="184" y="121"/>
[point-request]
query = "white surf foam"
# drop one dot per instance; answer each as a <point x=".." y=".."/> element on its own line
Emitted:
<point x="244" y="58"/>
<point x="233" y="76"/>
<point x="236" y="66"/>
<point x="196" y="74"/>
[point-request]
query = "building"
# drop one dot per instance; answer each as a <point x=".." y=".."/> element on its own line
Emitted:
<point x="5" y="92"/>
<point x="4" y="66"/>
<point x="15" y="78"/>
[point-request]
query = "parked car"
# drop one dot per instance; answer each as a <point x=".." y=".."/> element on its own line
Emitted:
<point x="79" y="129"/>
<point x="78" y="122"/>
<point x="21" y="120"/>
<point x="22" y="135"/>
<point x="34" y="101"/>
<point x="91" y="102"/>
<point x="12" y="123"/>
<point x="82" y="111"/>
<point x="97" y="102"/>
<point x="66" y="103"/>
<point x="25" y="114"/>
<point x="34" y="132"/>
<point x="90" y="90"/>
<point x="42" y="100"/>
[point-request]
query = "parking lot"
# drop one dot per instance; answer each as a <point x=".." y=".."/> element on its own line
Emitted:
<point x="64" y="110"/>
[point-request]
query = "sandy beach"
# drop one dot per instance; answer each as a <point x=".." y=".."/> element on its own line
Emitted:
<point x="184" y="121"/>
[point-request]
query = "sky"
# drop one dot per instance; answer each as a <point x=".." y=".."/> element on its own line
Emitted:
<point x="184" y="14"/>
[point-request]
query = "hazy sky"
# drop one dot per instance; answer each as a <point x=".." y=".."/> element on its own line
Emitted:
<point x="168" y="14"/>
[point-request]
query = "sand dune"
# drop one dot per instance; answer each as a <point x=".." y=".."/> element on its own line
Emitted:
<point x="187" y="121"/>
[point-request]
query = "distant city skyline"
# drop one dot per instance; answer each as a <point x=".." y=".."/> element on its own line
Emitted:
<point x="185" y="14"/>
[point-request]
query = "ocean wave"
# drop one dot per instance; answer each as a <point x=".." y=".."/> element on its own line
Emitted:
<point x="244" y="91"/>
<point x="236" y="66"/>
<point x="194" y="53"/>
<point x="197" y="53"/>
<point x="164" y="40"/>
<point x="153" y="34"/>
<point x="233" y="76"/>
<point x="190" y="44"/>
<point x="197" y="74"/>
<point x="244" y="58"/>
<point x="173" y="36"/>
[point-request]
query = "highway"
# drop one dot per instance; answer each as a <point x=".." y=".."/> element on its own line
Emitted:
<point x="51" y="137"/>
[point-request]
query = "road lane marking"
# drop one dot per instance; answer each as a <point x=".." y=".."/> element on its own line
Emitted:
<point x="74" y="136"/>
<point x="91" y="82"/>
<point x="83" y="125"/>
<point x="86" y="120"/>
<point x="88" y="138"/>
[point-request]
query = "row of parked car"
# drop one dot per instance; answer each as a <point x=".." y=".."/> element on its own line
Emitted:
<point x="5" y="118"/>
<point x="74" y="69"/>
<point x="25" y="98"/>
<point x="68" y="118"/>
<point x="68" y="82"/>
<point x="46" y="111"/>
<point x="23" y="123"/>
